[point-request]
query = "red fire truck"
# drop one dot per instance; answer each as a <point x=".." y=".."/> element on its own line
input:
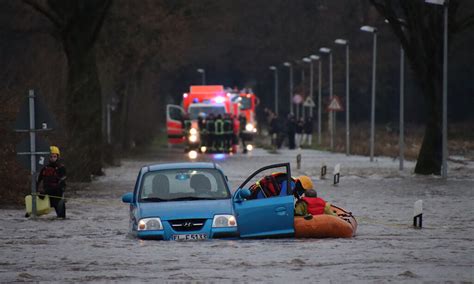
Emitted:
<point x="199" y="101"/>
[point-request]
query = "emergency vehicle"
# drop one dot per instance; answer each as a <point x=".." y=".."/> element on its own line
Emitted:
<point x="248" y="103"/>
<point x="202" y="101"/>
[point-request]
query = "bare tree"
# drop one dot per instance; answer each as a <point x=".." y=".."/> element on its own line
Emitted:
<point x="77" y="24"/>
<point x="419" y="27"/>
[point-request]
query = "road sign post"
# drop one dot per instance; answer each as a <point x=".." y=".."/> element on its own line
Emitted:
<point x="33" y="118"/>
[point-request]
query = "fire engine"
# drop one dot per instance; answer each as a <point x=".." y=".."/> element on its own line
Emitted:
<point x="202" y="101"/>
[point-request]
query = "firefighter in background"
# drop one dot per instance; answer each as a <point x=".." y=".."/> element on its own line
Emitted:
<point x="210" y="129"/>
<point x="243" y="138"/>
<point x="219" y="134"/>
<point x="228" y="133"/>
<point x="202" y="129"/>
<point x="53" y="177"/>
<point x="187" y="123"/>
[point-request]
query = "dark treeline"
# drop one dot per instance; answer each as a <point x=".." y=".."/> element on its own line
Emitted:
<point x="140" y="55"/>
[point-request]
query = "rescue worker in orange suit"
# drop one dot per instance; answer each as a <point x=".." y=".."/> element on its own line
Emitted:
<point x="53" y="177"/>
<point x="309" y="203"/>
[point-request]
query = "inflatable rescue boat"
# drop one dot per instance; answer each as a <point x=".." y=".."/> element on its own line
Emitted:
<point x="344" y="225"/>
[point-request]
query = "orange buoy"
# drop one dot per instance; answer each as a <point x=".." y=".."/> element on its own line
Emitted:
<point x="344" y="225"/>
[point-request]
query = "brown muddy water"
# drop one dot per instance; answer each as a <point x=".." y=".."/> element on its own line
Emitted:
<point x="93" y="244"/>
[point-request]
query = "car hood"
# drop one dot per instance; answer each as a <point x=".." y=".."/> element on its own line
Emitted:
<point x="195" y="209"/>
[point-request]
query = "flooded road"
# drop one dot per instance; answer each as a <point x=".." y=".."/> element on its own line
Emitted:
<point x="93" y="245"/>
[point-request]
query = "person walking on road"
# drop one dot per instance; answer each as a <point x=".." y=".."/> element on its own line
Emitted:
<point x="299" y="132"/>
<point x="53" y="177"/>
<point x="291" y="130"/>
<point x="308" y="131"/>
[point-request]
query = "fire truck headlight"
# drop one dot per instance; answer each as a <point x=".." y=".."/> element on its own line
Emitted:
<point x="192" y="138"/>
<point x="192" y="155"/>
<point x="249" y="127"/>
<point x="193" y="131"/>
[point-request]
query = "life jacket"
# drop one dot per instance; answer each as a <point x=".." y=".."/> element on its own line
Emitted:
<point x="50" y="176"/>
<point x="315" y="205"/>
<point x="271" y="185"/>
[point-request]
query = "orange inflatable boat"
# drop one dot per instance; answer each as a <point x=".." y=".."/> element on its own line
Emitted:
<point x="344" y="225"/>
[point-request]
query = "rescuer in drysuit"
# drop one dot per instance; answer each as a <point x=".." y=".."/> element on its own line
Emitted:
<point x="309" y="202"/>
<point x="53" y="177"/>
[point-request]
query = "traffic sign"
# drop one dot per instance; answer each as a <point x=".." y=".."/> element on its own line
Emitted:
<point x="309" y="102"/>
<point x="43" y="119"/>
<point x="297" y="99"/>
<point x="335" y="104"/>
<point x="24" y="154"/>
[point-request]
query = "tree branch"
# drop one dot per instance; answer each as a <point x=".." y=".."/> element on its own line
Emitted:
<point x="464" y="24"/>
<point x="48" y="14"/>
<point x="100" y="22"/>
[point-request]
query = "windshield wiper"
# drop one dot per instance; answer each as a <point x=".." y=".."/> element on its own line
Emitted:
<point x="154" y="199"/>
<point x="191" y="198"/>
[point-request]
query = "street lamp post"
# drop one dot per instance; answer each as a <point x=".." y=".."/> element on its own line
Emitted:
<point x="401" y="138"/>
<point x="288" y="64"/>
<point x="372" y="107"/>
<point x="346" y="43"/>
<point x="275" y="71"/>
<point x="310" y="61"/>
<point x="315" y="57"/>
<point x="444" y="168"/>
<point x="203" y="75"/>
<point x="330" y="115"/>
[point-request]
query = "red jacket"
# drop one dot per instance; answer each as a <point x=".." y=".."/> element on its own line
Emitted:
<point x="315" y="205"/>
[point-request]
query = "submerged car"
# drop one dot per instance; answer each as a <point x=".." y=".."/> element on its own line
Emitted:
<point x="192" y="201"/>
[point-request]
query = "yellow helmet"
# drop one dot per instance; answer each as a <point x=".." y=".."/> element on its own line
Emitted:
<point x="306" y="182"/>
<point x="54" y="150"/>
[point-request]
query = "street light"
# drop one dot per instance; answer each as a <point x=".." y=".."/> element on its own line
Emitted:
<point x="401" y="131"/>
<point x="275" y="71"/>
<point x="315" y="57"/>
<point x="305" y="60"/>
<point x="444" y="168"/>
<point x="346" y="43"/>
<point x="203" y="74"/>
<point x="288" y="64"/>
<point x="330" y="115"/>
<point x="372" y="108"/>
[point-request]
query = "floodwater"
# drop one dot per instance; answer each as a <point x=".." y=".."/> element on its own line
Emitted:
<point x="93" y="244"/>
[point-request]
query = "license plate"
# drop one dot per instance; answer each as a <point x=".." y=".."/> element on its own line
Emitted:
<point x="189" y="237"/>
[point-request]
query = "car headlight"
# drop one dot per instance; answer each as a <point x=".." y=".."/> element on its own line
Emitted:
<point x="192" y="138"/>
<point x="222" y="221"/>
<point x="249" y="127"/>
<point x="193" y="131"/>
<point x="150" y="224"/>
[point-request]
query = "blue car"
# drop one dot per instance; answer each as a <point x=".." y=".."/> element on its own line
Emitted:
<point x="192" y="201"/>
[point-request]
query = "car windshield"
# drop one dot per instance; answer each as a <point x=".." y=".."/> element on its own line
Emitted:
<point x="183" y="184"/>
<point x="194" y="111"/>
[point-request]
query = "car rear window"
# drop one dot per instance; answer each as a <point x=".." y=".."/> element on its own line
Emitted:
<point x="168" y="185"/>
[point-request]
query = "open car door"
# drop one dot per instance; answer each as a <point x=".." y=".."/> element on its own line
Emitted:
<point x="174" y="124"/>
<point x="265" y="217"/>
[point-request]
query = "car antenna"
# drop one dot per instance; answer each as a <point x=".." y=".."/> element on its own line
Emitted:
<point x="214" y="163"/>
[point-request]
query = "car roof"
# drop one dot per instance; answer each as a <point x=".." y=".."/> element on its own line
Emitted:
<point x="172" y="166"/>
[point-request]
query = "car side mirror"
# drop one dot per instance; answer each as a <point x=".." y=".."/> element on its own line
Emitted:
<point x="245" y="193"/>
<point x="127" y="197"/>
